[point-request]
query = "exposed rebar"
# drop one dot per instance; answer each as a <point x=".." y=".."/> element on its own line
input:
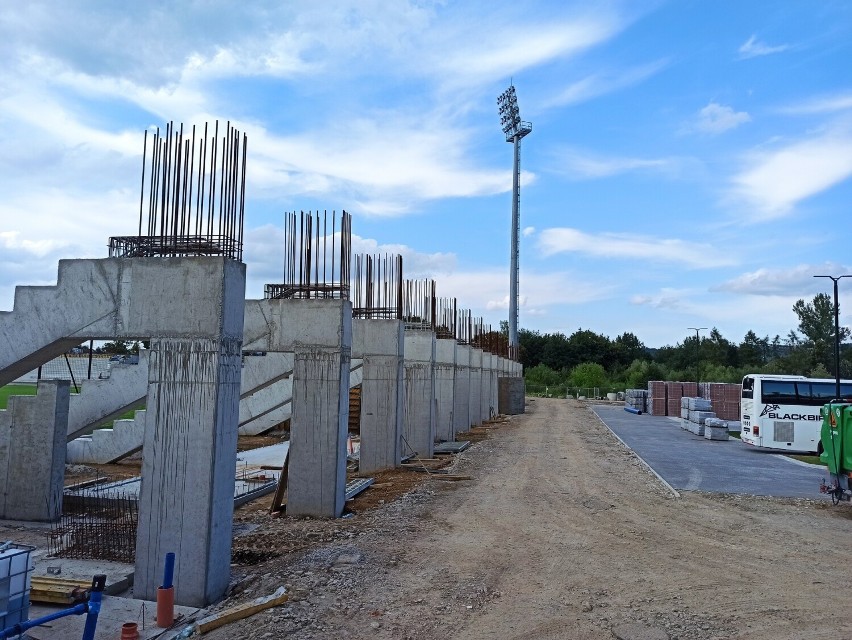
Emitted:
<point x="311" y="270"/>
<point x="212" y="225"/>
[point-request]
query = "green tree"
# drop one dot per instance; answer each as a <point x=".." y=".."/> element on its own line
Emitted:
<point x="816" y="322"/>
<point x="588" y="374"/>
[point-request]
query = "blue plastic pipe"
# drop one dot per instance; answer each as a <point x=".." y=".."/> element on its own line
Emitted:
<point x="169" y="573"/>
<point x="632" y="410"/>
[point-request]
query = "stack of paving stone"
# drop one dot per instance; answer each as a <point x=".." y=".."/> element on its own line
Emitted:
<point x="694" y="413"/>
<point x="637" y="399"/>
<point x="716" y="429"/>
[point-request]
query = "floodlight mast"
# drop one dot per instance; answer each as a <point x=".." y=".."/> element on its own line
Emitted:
<point x="515" y="129"/>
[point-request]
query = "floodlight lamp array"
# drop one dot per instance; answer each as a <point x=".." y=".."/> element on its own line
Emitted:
<point x="510" y="115"/>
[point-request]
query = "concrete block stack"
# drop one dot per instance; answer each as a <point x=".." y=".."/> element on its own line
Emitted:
<point x="656" y="398"/>
<point x="694" y="413"/>
<point x="716" y="429"/>
<point x="636" y="399"/>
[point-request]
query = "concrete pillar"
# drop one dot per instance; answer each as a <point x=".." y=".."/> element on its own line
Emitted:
<point x="420" y="414"/>
<point x="380" y="343"/>
<point x="319" y="334"/>
<point x="32" y="453"/>
<point x="485" y="392"/>
<point x="495" y="385"/>
<point x="461" y="390"/>
<point x="189" y="453"/>
<point x="475" y="386"/>
<point x="445" y="371"/>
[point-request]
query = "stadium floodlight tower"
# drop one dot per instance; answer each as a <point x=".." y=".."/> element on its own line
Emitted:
<point x="515" y="129"/>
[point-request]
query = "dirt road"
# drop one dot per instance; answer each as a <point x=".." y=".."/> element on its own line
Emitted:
<point x="561" y="533"/>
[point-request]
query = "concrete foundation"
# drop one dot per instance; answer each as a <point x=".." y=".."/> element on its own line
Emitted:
<point x="475" y="387"/>
<point x="461" y="390"/>
<point x="511" y="396"/>
<point x="319" y="334"/>
<point x="381" y="344"/>
<point x="420" y="411"/>
<point x="32" y="453"/>
<point x="445" y="372"/>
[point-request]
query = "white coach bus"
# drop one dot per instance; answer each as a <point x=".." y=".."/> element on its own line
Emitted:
<point x="783" y="412"/>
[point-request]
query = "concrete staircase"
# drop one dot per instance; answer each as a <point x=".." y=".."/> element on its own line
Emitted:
<point x="105" y="446"/>
<point x="100" y="401"/>
<point x="46" y="322"/>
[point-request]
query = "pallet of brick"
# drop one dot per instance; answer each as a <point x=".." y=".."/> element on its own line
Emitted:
<point x="715" y="433"/>
<point x="725" y="398"/>
<point x="715" y="422"/>
<point x="674" y="392"/>
<point x="656" y="400"/>
<point x="684" y="408"/>
<point x="704" y="390"/>
<point x="684" y="424"/>
<point x="690" y="389"/>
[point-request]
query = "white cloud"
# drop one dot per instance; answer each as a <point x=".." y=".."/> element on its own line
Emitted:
<point x="717" y="118"/>
<point x="584" y="164"/>
<point x="528" y="231"/>
<point x="776" y="181"/>
<point x="631" y="246"/>
<point x="795" y="281"/>
<point x="599" y="84"/>
<point x="753" y="48"/>
<point x="821" y="104"/>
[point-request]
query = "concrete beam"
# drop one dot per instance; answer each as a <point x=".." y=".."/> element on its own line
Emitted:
<point x="32" y="453"/>
<point x="381" y="345"/>
<point x="420" y="413"/>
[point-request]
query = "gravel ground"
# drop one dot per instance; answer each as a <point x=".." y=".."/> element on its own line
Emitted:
<point x="560" y="533"/>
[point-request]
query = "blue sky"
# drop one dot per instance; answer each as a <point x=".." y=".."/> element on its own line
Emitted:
<point x="689" y="164"/>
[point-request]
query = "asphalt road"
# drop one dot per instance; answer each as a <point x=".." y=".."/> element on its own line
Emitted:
<point x="692" y="463"/>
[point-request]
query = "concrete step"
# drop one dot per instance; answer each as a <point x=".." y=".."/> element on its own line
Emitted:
<point x="105" y="446"/>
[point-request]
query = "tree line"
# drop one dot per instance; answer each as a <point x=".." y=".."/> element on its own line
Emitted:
<point x="589" y="359"/>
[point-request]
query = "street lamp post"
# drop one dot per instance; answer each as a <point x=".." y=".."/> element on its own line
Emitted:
<point x="697" y="354"/>
<point x="515" y="129"/>
<point x="835" y="280"/>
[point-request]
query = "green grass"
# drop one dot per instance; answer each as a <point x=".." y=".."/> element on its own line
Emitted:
<point x="806" y="458"/>
<point x="736" y="434"/>
<point x="15" y="390"/>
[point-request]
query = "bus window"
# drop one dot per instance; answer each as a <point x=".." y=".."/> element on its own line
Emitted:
<point x="748" y="387"/>
<point x="778" y="392"/>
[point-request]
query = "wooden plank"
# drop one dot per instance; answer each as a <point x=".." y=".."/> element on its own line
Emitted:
<point x="242" y="611"/>
<point x="279" y="500"/>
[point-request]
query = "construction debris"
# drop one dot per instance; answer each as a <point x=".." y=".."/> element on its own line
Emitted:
<point x="242" y="611"/>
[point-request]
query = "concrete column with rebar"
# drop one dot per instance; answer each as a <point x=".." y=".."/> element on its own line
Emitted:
<point x="485" y="391"/>
<point x="32" y="453"/>
<point x="381" y="344"/>
<point x="189" y="452"/>
<point x="461" y="390"/>
<point x="475" y="387"/>
<point x="445" y="371"/>
<point x="319" y="333"/>
<point x="420" y="411"/>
